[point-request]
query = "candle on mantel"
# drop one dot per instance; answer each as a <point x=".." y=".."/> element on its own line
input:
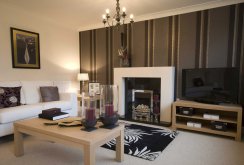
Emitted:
<point x="109" y="110"/>
<point x="90" y="114"/>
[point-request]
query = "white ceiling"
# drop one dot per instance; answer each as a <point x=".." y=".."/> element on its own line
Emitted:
<point x="87" y="14"/>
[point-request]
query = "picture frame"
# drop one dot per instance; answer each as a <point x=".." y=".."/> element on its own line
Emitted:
<point x="25" y="49"/>
<point x="93" y="88"/>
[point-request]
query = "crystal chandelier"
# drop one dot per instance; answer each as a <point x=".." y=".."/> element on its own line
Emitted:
<point x="118" y="18"/>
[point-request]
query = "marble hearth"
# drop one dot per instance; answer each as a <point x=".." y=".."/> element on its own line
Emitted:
<point x="166" y="75"/>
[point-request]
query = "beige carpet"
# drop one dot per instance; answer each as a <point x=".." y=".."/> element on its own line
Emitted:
<point x="187" y="149"/>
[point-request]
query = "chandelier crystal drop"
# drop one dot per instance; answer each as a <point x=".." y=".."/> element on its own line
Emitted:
<point x="118" y="18"/>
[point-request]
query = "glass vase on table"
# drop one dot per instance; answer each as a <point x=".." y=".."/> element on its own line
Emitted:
<point x="90" y="120"/>
<point x="109" y="105"/>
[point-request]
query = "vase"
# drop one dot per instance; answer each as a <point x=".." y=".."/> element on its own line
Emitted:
<point x="109" y="105"/>
<point x="90" y="119"/>
<point x="124" y="62"/>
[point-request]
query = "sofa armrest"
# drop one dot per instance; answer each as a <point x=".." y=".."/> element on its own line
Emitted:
<point x="72" y="97"/>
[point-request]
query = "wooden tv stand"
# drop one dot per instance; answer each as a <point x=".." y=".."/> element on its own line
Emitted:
<point x="230" y="114"/>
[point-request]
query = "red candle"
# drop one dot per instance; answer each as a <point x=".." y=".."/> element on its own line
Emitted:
<point x="109" y="110"/>
<point x="90" y="114"/>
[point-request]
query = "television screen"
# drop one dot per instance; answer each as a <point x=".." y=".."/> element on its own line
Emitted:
<point x="211" y="85"/>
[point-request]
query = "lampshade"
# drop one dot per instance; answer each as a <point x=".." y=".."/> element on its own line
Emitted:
<point x="83" y="77"/>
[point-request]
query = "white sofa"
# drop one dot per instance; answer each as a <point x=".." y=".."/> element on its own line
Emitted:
<point x="31" y="104"/>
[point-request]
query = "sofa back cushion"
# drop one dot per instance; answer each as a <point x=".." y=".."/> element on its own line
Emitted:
<point x="14" y="84"/>
<point x="49" y="93"/>
<point x="9" y="97"/>
<point x="32" y="90"/>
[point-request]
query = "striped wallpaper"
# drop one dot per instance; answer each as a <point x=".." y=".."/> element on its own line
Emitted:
<point x="203" y="39"/>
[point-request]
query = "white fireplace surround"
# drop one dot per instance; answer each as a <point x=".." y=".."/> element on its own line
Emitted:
<point x="167" y="76"/>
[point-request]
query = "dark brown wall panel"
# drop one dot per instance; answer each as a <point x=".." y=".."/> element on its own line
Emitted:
<point x="116" y="45"/>
<point x="187" y="44"/>
<point x="85" y="50"/>
<point x="160" y="35"/>
<point x="187" y="40"/>
<point x="218" y="37"/>
<point x="139" y="41"/>
<point x="242" y="77"/>
<point x="240" y="48"/>
<point x="240" y="27"/>
<point x="101" y="56"/>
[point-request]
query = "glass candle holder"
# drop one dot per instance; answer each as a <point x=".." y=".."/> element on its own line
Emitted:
<point x="90" y="113"/>
<point x="109" y="104"/>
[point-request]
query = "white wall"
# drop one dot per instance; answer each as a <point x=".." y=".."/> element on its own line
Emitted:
<point x="59" y="47"/>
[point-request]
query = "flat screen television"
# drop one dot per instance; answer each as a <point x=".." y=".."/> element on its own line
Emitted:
<point x="211" y="85"/>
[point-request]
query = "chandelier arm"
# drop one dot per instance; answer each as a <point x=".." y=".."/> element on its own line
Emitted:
<point x="117" y="8"/>
<point x="118" y="18"/>
<point x="108" y="23"/>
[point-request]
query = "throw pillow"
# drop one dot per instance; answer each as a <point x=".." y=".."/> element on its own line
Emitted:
<point x="49" y="93"/>
<point x="9" y="96"/>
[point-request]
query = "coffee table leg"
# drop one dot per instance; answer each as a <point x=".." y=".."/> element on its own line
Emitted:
<point x="89" y="155"/>
<point x="18" y="142"/>
<point x="120" y="146"/>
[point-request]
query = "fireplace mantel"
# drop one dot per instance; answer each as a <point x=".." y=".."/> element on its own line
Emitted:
<point x="166" y="74"/>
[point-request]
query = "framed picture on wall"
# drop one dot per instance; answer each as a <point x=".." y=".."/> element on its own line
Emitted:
<point x="94" y="88"/>
<point x="25" y="49"/>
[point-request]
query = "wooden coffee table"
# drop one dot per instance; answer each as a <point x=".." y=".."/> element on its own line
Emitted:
<point x="71" y="136"/>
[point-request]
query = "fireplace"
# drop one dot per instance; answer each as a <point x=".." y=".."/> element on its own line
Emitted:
<point x="142" y="105"/>
<point x="163" y="95"/>
<point x="142" y="99"/>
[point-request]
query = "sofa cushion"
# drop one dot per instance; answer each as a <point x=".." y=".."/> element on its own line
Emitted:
<point x="32" y="90"/>
<point x="9" y="96"/>
<point x="14" y="84"/>
<point x="49" y="93"/>
<point x="64" y="105"/>
<point x="18" y="113"/>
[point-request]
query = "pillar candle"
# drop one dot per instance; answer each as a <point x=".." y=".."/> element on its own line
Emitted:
<point x="109" y="110"/>
<point x="90" y="114"/>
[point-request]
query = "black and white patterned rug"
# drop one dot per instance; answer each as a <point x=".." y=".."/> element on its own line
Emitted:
<point x="144" y="142"/>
